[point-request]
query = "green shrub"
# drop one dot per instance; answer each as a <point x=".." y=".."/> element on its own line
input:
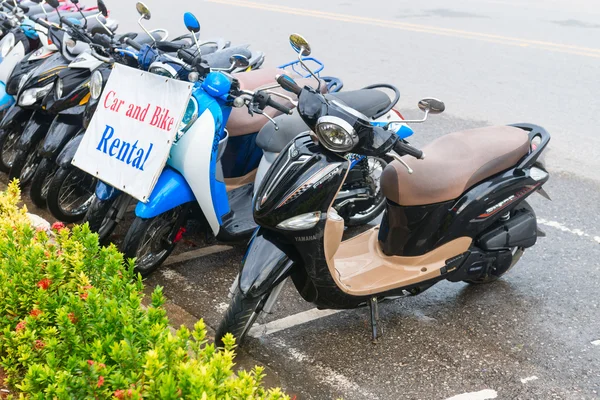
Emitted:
<point x="72" y="325"/>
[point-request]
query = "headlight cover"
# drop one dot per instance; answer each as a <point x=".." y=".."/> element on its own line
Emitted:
<point x="58" y="89"/>
<point x="189" y="117"/>
<point x="31" y="96"/>
<point x="163" y="72"/>
<point x="301" y="222"/>
<point x="96" y="85"/>
<point x="23" y="80"/>
<point x="6" y="45"/>
<point x="335" y="134"/>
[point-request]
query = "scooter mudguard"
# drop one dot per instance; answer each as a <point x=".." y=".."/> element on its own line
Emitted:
<point x="265" y="264"/>
<point x="34" y="131"/>
<point x="58" y="135"/>
<point x="106" y="192"/>
<point x="6" y="100"/>
<point x="68" y="152"/>
<point x="170" y="191"/>
<point x="14" y="116"/>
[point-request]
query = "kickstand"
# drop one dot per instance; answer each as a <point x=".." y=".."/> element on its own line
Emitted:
<point x="373" y="307"/>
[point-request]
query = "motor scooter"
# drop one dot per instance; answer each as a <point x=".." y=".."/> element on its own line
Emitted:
<point x="455" y="211"/>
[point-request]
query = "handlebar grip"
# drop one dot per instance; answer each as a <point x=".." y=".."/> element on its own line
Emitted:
<point x="289" y="84"/>
<point x="186" y="57"/>
<point x="133" y="44"/>
<point x="278" y="106"/>
<point x="42" y="22"/>
<point x="403" y="148"/>
<point x="66" y="21"/>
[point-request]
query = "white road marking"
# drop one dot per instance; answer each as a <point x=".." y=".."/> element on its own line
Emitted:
<point x="481" y="395"/>
<point x="289" y="322"/>
<point x="564" y="228"/>
<point x="529" y="379"/>
<point x="596" y="343"/>
<point x="191" y="255"/>
<point x="336" y="380"/>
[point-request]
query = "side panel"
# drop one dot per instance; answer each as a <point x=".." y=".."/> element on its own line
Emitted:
<point x="170" y="191"/>
<point x="11" y="60"/>
<point x="6" y="100"/>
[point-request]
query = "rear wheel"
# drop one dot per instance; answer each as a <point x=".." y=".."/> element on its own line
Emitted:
<point x="364" y="211"/>
<point x="8" y="148"/>
<point x="151" y="240"/>
<point x="517" y="253"/>
<point x="40" y="183"/>
<point x="70" y="194"/>
<point x="239" y="317"/>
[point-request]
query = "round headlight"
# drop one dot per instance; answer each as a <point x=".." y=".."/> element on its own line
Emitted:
<point x="6" y="45"/>
<point x="96" y="85"/>
<point x="335" y="134"/>
<point x="58" y="89"/>
<point x="163" y="72"/>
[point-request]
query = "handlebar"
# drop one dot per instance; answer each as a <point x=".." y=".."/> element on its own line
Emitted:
<point x="278" y="106"/>
<point x="288" y="84"/>
<point x="186" y="57"/>
<point x="403" y="148"/>
<point x="133" y="43"/>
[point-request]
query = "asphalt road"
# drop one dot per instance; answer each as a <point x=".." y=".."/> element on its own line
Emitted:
<point x="533" y="335"/>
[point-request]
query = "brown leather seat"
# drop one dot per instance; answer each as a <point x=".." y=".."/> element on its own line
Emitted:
<point x="240" y="122"/>
<point x="453" y="163"/>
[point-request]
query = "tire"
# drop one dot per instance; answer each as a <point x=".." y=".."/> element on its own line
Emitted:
<point x="239" y="317"/>
<point x="70" y="194"/>
<point x="516" y="251"/>
<point x="147" y="239"/>
<point x="40" y="183"/>
<point x="8" y="143"/>
<point x="101" y="218"/>
<point x="25" y="164"/>
<point x="377" y="205"/>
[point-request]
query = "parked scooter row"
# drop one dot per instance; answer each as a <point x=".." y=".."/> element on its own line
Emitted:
<point x="280" y="156"/>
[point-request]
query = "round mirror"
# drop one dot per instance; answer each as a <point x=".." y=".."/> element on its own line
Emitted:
<point x="239" y="61"/>
<point x="143" y="10"/>
<point x="299" y="44"/>
<point x="53" y="3"/>
<point x="37" y="1"/>
<point x="74" y="1"/>
<point x="102" y="8"/>
<point x="191" y="22"/>
<point x="434" y="106"/>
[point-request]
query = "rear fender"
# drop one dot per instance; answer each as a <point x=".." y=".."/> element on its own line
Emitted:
<point x="68" y="152"/>
<point x="170" y="191"/>
<point x="34" y="131"/>
<point x="58" y="135"/>
<point x="267" y="263"/>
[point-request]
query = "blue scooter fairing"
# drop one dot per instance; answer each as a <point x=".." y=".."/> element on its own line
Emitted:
<point x="171" y="190"/>
<point x="6" y="100"/>
<point x="106" y="192"/>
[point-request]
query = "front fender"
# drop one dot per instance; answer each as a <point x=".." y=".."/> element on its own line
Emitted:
<point x="68" y="152"/>
<point x="14" y="117"/>
<point x="34" y="131"/>
<point x="58" y="135"/>
<point x="171" y="190"/>
<point x="106" y="192"/>
<point x="267" y="263"/>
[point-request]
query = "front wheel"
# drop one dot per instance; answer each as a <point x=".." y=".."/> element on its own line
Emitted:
<point x="8" y="149"/>
<point x="25" y="164"/>
<point x="151" y="240"/>
<point x="40" y="183"/>
<point x="239" y="317"/>
<point x="70" y="194"/>
<point x="101" y="217"/>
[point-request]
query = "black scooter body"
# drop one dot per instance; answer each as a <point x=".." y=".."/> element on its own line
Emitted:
<point x="287" y="192"/>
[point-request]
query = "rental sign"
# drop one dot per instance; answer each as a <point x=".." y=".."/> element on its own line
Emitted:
<point x="131" y="133"/>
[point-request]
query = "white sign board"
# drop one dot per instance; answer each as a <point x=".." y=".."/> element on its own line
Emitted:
<point x="131" y="133"/>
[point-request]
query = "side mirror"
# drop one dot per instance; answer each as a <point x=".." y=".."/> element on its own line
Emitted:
<point x="102" y="8"/>
<point x="299" y="44"/>
<point x="53" y="3"/>
<point x="35" y="1"/>
<point x="74" y="1"/>
<point x="191" y="22"/>
<point x="143" y="10"/>
<point x="432" y="106"/>
<point x="238" y="61"/>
